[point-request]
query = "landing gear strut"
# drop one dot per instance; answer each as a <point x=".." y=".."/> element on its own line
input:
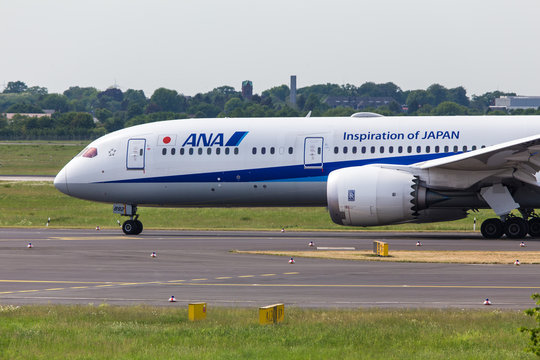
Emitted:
<point x="132" y="226"/>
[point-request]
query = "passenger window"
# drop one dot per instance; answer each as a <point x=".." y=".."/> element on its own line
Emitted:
<point x="92" y="152"/>
<point x="345" y="149"/>
<point x="227" y="151"/>
<point x="235" y="151"/>
<point x="218" y="151"/>
<point x="409" y="149"/>
<point x="272" y="150"/>
<point x="381" y="149"/>
<point x="209" y="151"/>
<point x="437" y="149"/>
<point x="428" y="149"/>
<point x="473" y="147"/>
<point x="336" y="150"/>
<point x="390" y="149"/>
<point x="290" y="150"/>
<point x="455" y="148"/>
<point x="464" y="148"/>
<point x="483" y="146"/>
<point x="200" y="151"/>
<point x="263" y="150"/>
<point x="418" y="149"/>
<point x="354" y="150"/>
<point x="446" y="149"/>
<point x="373" y="149"/>
<point x="363" y="149"/>
<point x="254" y="151"/>
<point x="164" y="151"/>
<point x="400" y="149"/>
<point x="190" y="151"/>
<point x="173" y="151"/>
<point x="181" y="151"/>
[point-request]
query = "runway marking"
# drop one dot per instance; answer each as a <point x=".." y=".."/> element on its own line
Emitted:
<point x="370" y="286"/>
<point x="104" y="285"/>
<point x="25" y="291"/>
<point x="54" y="289"/>
<point x="202" y="279"/>
<point x="7" y="292"/>
<point x="223" y="277"/>
<point x="291" y="273"/>
<point x="246" y="276"/>
<point x="79" y="287"/>
<point x="173" y="281"/>
<point x="55" y="282"/>
<point x="267" y="275"/>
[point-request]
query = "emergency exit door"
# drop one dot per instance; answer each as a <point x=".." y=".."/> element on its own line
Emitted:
<point x="313" y="152"/>
<point x="135" y="154"/>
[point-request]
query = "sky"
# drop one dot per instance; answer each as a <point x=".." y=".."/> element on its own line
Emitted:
<point x="193" y="46"/>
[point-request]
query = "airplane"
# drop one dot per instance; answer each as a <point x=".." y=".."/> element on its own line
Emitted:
<point x="367" y="169"/>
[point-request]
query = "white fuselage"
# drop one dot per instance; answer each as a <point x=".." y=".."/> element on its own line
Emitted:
<point x="266" y="162"/>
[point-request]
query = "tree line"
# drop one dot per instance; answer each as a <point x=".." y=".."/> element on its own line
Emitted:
<point x="87" y="113"/>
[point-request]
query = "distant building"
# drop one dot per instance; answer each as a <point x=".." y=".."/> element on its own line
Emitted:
<point x="247" y="89"/>
<point x="358" y="102"/>
<point x="47" y="113"/>
<point x="517" y="102"/>
<point x="293" y="90"/>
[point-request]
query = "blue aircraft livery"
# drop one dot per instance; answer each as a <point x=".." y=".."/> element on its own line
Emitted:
<point x="212" y="139"/>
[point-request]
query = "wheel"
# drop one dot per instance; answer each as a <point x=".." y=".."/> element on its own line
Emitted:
<point x="492" y="228"/>
<point x="129" y="227"/>
<point x="534" y="227"/>
<point x="516" y="228"/>
<point x="139" y="227"/>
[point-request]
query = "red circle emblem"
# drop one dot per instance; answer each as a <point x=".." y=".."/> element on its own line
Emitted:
<point x="166" y="139"/>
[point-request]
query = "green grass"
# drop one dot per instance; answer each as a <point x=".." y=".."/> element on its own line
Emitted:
<point x="36" y="158"/>
<point x="143" y="332"/>
<point x="31" y="203"/>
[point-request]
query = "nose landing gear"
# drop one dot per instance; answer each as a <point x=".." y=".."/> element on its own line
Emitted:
<point x="132" y="226"/>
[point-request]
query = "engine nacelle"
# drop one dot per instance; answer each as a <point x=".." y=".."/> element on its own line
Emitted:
<point x="371" y="195"/>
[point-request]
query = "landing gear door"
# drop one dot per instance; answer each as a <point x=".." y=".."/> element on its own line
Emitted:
<point x="313" y="152"/>
<point x="136" y="154"/>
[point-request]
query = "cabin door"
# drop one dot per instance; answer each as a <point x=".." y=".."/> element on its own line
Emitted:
<point x="313" y="152"/>
<point x="136" y="154"/>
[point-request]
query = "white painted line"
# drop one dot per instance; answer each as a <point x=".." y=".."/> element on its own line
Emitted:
<point x="334" y="248"/>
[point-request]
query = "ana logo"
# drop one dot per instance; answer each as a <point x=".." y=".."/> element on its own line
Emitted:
<point x="212" y="139"/>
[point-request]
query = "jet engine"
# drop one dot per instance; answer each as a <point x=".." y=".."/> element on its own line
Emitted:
<point x="371" y="195"/>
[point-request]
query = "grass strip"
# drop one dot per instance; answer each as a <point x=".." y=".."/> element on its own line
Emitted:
<point x="423" y="256"/>
<point x="144" y="332"/>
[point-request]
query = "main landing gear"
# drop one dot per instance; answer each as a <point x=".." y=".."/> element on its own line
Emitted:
<point x="514" y="227"/>
<point x="132" y="226"/>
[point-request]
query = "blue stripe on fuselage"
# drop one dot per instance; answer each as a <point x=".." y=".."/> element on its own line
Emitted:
<point x="280" y="173"/>
<point x="236" y="138"/>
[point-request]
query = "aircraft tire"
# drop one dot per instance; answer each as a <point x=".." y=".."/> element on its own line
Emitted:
<point x="139" y="227"/>
<point x="534" y="227"/>
<point x="129" y="227"/>
<point x="516" y="228"/>
<point x="492" y="228"/>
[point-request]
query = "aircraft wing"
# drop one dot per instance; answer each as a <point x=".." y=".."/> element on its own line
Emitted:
<point x="518" y="159"/>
